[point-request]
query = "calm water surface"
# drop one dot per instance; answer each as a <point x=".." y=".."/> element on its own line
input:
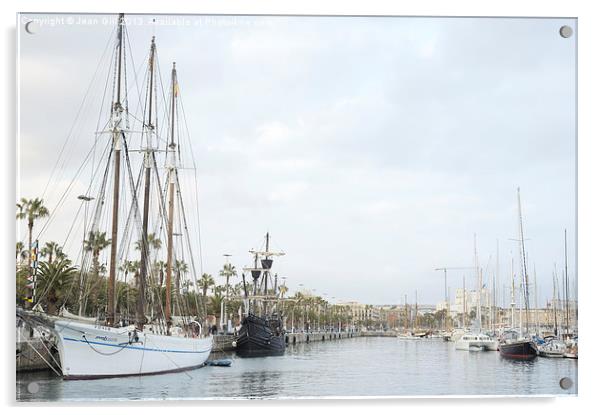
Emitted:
<point x="364" y="366"/>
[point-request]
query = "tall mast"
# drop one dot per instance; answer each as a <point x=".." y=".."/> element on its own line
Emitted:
<point x="267" y="249"/>
<point x="256" y="264"/>
<point x="144" y="248"/>
<point x="117" y="111"/>
<point x="464" y="301"/>
<point x="495" y="282"/>
<point x="170" y="205"/>
<point x="489" y="302"/>
<point x="523" y="262"/>
<point x="407" y="314"/>
<point x="566" y="287"/>
<point x="479" y="284"/>
<point x="536" y="300"/>
<point x="512" y="300"/>
<point x="554" y="302"/>
<point x="416" y="319"/>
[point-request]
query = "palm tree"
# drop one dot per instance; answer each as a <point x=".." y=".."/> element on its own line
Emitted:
<point x="97" y="241"/>
<point x="180" y="267"/>
<point x="21" y="285"/>
<point x="153" y="242"/>
<point x="55" y="281"/>
<point x="126" y="298"/>
<point x="282" y="290"/>
<point x="205" y="283"/>
<point x="160" y="267"/>
<point x="228" y="271"/>
<point x="218" y="290"/>
<point x="19" y="249"/>
<point x="21" y="254"/>
<point x="129" y="266"/>
<point x="31" y="210"/>
<point x="51" y="249"/>
<point x="215" y="304"/>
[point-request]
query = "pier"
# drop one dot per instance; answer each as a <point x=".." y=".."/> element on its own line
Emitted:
<point x="32" y="355"/>
<point x="224" y="342"/>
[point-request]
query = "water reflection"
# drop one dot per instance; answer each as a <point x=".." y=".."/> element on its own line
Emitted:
<point x="347" y="367"/>
<point x="260" y="384"/>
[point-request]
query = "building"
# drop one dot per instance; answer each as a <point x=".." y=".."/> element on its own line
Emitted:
<point x="472" y="300"/>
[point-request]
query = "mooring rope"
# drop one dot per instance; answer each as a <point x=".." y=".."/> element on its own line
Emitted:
<point x="42" y="357"/>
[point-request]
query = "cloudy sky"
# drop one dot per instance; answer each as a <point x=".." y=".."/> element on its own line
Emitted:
<point x="372" y="149"/>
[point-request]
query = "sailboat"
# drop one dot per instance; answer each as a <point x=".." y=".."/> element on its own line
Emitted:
<point x="514" y="344"/>
<point x="261" y="332"/>
<point x="120" y="345"/>
<point x="553" y="346"/>
<point x="414" y="333"/>
<point x="474" y="339"/>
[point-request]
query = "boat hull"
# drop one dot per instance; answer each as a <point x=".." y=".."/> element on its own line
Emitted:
<point x="88" y="351"/>
<point x="256" y="338"/>
<point x="521" y="350"/>
<point x="544" y="353"/>
<point x="477" y="344"/>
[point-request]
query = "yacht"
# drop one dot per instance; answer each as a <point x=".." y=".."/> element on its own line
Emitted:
<point x="475" y="342"/>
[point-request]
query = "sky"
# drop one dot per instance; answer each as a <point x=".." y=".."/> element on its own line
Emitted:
<point x="372" y="149"/>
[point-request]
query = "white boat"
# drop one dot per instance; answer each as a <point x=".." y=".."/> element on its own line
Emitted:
<point x="456" y="334"/>
<point x="88" y="351"/>
<point x="113" y="346"/>
<point x="553" y="348"/>
<point x="408" y="336"/>
<point x="476" y="341"/>
<point x="572" y="349"/>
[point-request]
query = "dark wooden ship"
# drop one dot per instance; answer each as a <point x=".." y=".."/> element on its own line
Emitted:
<point x="261" y="332"/>
<point x="513" y="344"/>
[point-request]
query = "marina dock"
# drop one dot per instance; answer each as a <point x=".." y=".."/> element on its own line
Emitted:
<point x="224" y="342"/>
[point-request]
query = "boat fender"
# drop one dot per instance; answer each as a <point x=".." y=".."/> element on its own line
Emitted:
<point x="234" y="343"/>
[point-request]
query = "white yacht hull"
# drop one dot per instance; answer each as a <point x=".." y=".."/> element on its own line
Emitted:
<point x="477" y="344"/>
<point x="402" y="337"/>
<point x="468" y="345"/>
<point x="491" y="345"/>
<point x="89" y="351"/>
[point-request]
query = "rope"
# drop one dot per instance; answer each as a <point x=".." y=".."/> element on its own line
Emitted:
<point x="42" y="357"/>
<point x="102" y="353"/>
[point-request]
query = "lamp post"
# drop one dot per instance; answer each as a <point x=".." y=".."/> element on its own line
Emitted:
<point x="325" y="325"/>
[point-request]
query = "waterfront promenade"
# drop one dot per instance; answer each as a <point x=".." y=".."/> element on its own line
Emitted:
<point x="225" y="342"/>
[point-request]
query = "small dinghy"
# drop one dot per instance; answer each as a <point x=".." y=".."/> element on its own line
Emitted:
<point x="219" y="362"/>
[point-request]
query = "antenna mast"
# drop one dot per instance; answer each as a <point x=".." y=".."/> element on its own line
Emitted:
<point x="171" y="180"/>
<point x="116" y="112"/>
<point x="523" y="261"/>
<point x="144" y="249"/>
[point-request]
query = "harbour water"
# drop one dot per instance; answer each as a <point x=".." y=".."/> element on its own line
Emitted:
<point x="363" y="366"/>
